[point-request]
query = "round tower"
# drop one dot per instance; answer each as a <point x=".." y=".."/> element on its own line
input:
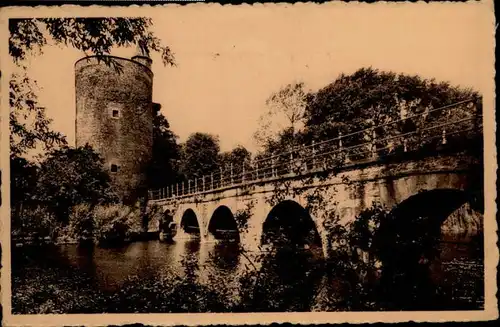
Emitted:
<point x="114" y="115"/>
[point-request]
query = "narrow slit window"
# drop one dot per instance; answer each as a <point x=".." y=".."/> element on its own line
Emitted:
<point x="114" y="168"/>
<point x="115" y="113"/>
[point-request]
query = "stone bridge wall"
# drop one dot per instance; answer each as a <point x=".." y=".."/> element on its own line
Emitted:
<point x="346" y="194"/>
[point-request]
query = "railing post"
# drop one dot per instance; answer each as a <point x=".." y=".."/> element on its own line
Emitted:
<point x="313" y="159"/>
<point x="177" y="189"/>
<point x="203" y="182"/>
<point x="478" y="109"/>
<point x="374" y="143"/>
<point x="405" y="145"/>
<point x="257" y="172"/>
<point x="189" y="186"/>
<point x="343" y="156"/>
<point x="243" y="173"/>
<point x="272" y="165"/>
<point x="212" y="180"/>
<point x="291" y="162"/>
<point x="444" y="141"/>
<point x="221" y="178"/>
<point x="232" y="177"/>
<point x="172" y="190"/>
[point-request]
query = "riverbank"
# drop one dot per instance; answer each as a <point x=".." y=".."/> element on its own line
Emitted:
<point x="67" y="240"/>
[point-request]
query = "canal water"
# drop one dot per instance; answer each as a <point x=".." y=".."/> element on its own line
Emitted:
<point x="138" y="276"/>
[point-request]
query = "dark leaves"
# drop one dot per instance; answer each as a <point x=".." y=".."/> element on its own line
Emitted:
<point x="28" y="122"/>
<point x="199" y="155"/>
<point x="72" y="176"/>
<point x="164" y="168"/>
<point x="93" y="36"/>
<point x="371" y="97"/>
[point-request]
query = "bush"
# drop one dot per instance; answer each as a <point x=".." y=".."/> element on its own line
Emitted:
<point x="115" y="223"/>
<point x="101" y="223"/>
<point x="36" y="223"/>
<point x="81" y="222"/>
<point x="154" y="215"/>
<point x="72" y="176"/>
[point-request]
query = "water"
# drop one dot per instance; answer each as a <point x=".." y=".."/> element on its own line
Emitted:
<point x="142" y="276"/>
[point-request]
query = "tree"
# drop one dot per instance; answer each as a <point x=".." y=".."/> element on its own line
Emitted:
<point x="199" y="155"/>
<point x="24" y="175"/>
<point x="285" y="112"/>
<point x="28" y="123"/>
<point x="72" y="176"/>
<point x="237" y="158"/>
<point x="370" y="97"/>
<point x="164" y="168"/>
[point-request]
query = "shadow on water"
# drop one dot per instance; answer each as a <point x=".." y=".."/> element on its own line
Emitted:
<point x="287" y="281"/>
<point x="432" y="266"/>
<point x="292" y="264"/>
<point x="225" y="255"/>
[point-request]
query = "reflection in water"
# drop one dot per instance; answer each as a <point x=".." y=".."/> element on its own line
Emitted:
<point x="111" y="267"/>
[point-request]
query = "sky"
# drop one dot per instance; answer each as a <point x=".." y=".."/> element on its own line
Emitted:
<point x="230" y="59"/>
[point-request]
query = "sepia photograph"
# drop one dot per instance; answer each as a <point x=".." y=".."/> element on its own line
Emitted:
<point x="270" y="158"/>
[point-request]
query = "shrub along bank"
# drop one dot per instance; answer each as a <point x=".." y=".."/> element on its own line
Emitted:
<point x="102" y="224"/>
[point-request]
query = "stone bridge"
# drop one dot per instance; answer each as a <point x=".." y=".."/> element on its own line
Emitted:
<point x="304" y="196"/>
<point x="433" y="186"/>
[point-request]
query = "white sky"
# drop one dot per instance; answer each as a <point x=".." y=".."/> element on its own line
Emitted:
<point x="230" y="59"/>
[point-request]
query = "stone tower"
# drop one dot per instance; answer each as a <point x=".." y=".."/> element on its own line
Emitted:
<point x="114" y="115"/>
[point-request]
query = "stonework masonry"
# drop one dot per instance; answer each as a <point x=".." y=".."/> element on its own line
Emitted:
<point x="114" y="115"/>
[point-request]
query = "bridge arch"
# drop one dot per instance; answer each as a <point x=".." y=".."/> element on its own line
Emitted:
<point x="426" y="210"/>
<point x="419" y="220"/>
<point x="222" y="224"/>
<point x="289" y="224"/>
<point x="190" y="224"/>
<point x="423" y="237"/>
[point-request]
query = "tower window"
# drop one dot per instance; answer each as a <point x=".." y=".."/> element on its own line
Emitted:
<point x="114" y="168"/>
<point x="114" y="110"/>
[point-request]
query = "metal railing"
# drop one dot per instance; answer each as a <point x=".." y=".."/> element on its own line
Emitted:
<point x="427" y="130"/>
